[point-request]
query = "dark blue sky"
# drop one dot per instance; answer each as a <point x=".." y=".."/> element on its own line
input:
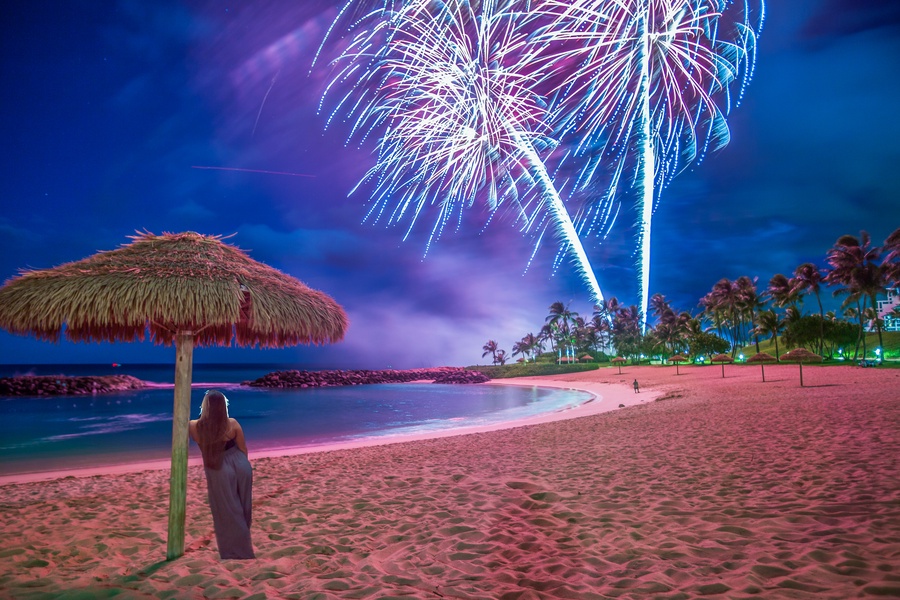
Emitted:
<point x="108" y="106"/>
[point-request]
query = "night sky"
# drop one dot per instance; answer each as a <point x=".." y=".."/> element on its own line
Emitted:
<point x="108" y="107"/>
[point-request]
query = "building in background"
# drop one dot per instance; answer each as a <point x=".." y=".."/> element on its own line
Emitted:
<point x="889" y="310"/>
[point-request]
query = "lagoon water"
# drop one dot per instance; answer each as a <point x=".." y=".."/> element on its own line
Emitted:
<point x="40" y="434"/>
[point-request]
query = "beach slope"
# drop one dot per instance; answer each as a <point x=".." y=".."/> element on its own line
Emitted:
<point x="713" y="487"/>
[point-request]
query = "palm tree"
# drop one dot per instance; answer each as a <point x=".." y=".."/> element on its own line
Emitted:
<point x="781" y="291"/>
<point x="602" y="331"/>
<point x="808" y="277"/>
<point x="872" y="318"/>
<point x="501" y="357"/>
<point x="713" y="309"/>
<point x="560" y="313"/>
<point x="854" y="264"/>
<point x="520" y="348"/>
<point x="668" y="338"/>
<point x="666" y="330"/>
<point x="603" y="313"/>
<point x="491" y="348"/>
<point x="792" y="317"/>
<point x="730" y="299"/>
<point x="532" y="345"/>
<point x="626" y="330"/>
<point x="537" y="348"/>
<point x="690" y="327"/>
<point x="769" y="323"/>
<point x="749" y="302"/>
<point x="660" y="306"/>
<point x="528" y="345"/>
<point x="560" y="317"/>
<point x="546" y="335"/>
<point x="608" y="307"/>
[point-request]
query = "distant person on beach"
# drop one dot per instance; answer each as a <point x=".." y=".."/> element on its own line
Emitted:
<point x="637" y="388"/>
<point x="229" y="477"/>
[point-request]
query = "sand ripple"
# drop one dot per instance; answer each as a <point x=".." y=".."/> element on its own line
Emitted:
<point x="729" y="488"/>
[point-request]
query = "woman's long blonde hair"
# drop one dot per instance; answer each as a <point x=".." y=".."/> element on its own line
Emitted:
<point x="211" y="428"/>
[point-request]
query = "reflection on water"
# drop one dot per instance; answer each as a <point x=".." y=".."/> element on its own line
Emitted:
<point x="51" y="433"/>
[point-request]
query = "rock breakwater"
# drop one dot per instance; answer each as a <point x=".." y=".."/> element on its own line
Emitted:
<point x="62" y="385"/>
<point x="307" y="379"/>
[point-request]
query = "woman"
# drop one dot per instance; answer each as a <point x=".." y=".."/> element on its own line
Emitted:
<point x="229" y="477"/>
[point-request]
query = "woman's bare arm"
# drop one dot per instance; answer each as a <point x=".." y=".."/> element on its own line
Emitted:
<point x="192" y="430"/>
<point x="239" y="436"/>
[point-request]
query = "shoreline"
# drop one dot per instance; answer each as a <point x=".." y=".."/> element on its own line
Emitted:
<point x="606" y="397"/>
<point x="721" y="488"/>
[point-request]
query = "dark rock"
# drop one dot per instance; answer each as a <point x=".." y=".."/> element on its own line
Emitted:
<point x="304" y="379"/>
<point x="60" y="385"/>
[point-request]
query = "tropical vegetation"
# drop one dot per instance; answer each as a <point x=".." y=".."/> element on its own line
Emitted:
<point x="734" y="315"/>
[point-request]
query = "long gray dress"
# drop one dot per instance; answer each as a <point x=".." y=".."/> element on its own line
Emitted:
<point x="230" y="499"/>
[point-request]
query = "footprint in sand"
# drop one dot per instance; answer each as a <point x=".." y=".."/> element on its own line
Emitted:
<point x="200" y="543"/>
<point x="523" y="485"/>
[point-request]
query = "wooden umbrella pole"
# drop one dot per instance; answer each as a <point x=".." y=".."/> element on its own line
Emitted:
<point x="184" y="358"/>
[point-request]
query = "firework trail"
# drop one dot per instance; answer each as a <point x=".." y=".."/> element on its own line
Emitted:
<point x="644" y="83"/>
<point x="450" y="91"/>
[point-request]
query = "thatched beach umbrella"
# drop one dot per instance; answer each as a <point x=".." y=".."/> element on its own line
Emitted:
<point x="184" y="289"/>
<point x="722" y="358"/>
<point x="678" y="358"/>
<point x="800" y="355"/>
<point x="587" y="357"/>
<point x="762" y="358"/>
<point x="618" y="362"/>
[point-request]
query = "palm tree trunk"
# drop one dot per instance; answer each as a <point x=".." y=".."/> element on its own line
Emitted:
<point x="877" y="322"/>
<point x="862" y="332"/>
<point x="735" y="332"/>
<point x="744" y="334"/>
<point x="775" y="337"/>
<point x="753" y="330"/>
<point x="821" y="324"/>
<point x="184" y="357"/>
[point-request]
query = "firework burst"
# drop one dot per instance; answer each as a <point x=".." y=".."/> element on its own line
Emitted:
<point x="450" y="91"/>
<point x="647" y="84"/>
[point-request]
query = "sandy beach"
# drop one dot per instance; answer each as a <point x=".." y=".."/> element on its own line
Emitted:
<point x="701" y="486"/>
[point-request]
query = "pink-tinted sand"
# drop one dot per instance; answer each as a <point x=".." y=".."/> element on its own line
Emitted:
<point x="712" y="487"/>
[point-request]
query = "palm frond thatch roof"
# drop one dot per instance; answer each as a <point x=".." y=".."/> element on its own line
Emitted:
<point x="722" y="358"/>
<point x="762" y="357"/>
<point x="163" y="284"/>
<point x="619" y="359"/>
<point x="801" y="355"/>
<point x="676" y="358"/>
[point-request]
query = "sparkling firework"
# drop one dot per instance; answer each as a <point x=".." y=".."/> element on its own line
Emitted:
<point x="450" y="89"/>
<point x="647" y="85"/>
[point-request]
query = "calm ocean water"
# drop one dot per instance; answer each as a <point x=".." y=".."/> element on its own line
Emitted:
<point x="160" y="373"/>
<point x="38" y="434"/>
